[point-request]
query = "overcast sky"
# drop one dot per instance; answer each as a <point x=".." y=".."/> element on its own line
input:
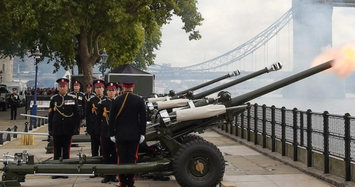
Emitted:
<point x="230" y="23"/>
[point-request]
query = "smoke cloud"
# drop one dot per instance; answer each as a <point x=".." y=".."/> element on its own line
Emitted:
<point x="343" y="59"/>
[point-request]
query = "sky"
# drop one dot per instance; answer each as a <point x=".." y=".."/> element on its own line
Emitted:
<point x="230" y="23"/>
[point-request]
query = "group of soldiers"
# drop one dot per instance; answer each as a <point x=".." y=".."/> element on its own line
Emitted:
<point x="115" y="121"/>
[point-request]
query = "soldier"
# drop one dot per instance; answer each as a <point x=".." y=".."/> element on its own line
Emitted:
<point x="108" y="147"/>
<point x="63" y="121"/>
<point x="80" y="98"/>
<point x="14" y="102"/>
<point x="127" y="128"/>
<point x="88" y="93"/>
<point x="91" y="117"/>
<point x="119" y="89"/>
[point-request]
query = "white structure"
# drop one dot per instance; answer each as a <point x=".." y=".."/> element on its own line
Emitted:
<point x="6" y="69"/>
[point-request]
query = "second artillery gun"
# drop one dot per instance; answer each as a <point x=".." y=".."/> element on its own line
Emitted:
<point x="193" y="161"/>
<point x="192" y="100"/>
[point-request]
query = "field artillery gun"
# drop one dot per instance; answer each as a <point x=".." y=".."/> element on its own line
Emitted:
<point x="192" y="100"/>
<point x="194" y="163"/>
<point x="189" y="91"/>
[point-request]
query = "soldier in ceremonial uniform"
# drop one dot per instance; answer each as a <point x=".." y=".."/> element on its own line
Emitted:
<point x="119" y="89"/>
<point x="63" y="121"/>
<point x="108" y="147"/>
<point x="91" y="117"/>
<point x="80" y="98"/>
<point x="127" y="127"/>
<point x="14" y="102"/>
<point x="88" y="94"/>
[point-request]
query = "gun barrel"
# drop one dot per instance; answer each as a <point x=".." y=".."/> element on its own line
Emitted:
<point x="279" y="84"/>
<point x="274" y="67"/>
<point x="234" y="73"/>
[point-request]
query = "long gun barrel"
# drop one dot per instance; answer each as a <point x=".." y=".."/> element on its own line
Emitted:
<point x="279" y="84"/>
<point x="234" y="73"/>
<point x="174" y="102"/>
<point x="274" y="67"/>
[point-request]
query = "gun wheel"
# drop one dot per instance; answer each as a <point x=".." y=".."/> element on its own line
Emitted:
<point x="190" y="137"/>
<point x="198" y="163"/>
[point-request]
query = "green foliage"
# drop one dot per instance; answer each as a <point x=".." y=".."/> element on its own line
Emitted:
<point x="74" y="32"/>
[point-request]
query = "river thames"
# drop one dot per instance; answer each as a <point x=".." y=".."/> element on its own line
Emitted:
<point x="333" y="106"/>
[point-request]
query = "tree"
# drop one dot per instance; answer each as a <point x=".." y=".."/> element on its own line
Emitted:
<point x="74" y="32"/>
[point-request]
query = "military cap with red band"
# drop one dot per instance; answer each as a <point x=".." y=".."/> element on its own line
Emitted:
<point x="89" y="86"/>
<point x="62" y="81"/>
<point x="119" y="85"/>
<point x="77" y="83"/>
<point x="128" y="82"/>
<point x="99" y="83"/>
<point x="111" y="85"/>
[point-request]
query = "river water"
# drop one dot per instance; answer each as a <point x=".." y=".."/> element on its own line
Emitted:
<point x="333" y="106"/>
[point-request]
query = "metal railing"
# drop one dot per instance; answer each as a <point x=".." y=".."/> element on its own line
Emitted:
<point x="328" y="134"/>
<point x="4" y="136"/>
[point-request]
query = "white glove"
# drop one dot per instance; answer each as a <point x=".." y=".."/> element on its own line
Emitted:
<point x="142" y="139"/>
<point x="113" y="139"/>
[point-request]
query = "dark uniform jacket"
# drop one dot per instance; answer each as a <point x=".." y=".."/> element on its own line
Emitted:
<point x="103" y="117"/>
<point x="92" y="113"/>
<point x="64" y="115"/>
<point x="87" y="96"/>
<point x="81" y="103"/>
<point x="14" y="99"/>
<point x="131" y="122"/>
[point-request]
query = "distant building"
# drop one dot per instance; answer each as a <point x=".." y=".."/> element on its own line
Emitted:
<point x="6" y="70"/>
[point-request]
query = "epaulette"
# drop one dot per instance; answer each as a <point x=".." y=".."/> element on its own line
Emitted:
<point x="53" y="96"/>
<point x="137" y="95"/>
<point x="69" y="94"/>
<point x="100" y="102"/>
<point x="92" y="96"/>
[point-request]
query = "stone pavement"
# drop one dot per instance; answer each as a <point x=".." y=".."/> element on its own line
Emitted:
<point x="244" y="167"/>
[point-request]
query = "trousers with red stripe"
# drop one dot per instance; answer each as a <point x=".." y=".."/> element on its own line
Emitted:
<point x="127" y="152"/>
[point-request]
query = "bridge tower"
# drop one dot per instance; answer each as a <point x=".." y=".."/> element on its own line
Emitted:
<point x="312" y="32"/>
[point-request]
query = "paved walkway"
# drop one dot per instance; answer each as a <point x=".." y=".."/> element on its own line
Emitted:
<point x="244" y="167"/>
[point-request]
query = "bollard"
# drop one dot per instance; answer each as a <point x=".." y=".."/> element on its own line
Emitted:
<point x="1" y="139"/>
<point x="38" y="122"/>
<point x="42" y="121"/>
<point x="15" y="130"/>
<point x="31" y="123"/>
<point x="34" y="123"/>
<point x="26" y="126"/>
<point x="46" y="120"/>
<point x="8" y="137"/>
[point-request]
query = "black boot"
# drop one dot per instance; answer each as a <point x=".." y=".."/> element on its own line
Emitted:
<point x="106" y="179"/>
<point x="114" y="178"/>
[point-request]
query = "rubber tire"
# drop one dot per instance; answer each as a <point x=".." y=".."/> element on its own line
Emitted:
<point x="190" y="137"/>
<point x="184" y="168"/>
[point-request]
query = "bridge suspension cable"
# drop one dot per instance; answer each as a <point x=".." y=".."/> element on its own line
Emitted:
<point x="240" y="52"/>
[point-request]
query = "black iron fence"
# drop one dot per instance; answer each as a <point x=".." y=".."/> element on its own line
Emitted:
<point x="4" y="137"/>
<point x="332" y="136"/>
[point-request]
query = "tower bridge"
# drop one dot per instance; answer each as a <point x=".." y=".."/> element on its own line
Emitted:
<point x="311" y="22"/>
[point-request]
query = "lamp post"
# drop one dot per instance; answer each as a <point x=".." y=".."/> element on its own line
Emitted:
<point x="104" y="58"/>
<point x="37" y="56"/>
